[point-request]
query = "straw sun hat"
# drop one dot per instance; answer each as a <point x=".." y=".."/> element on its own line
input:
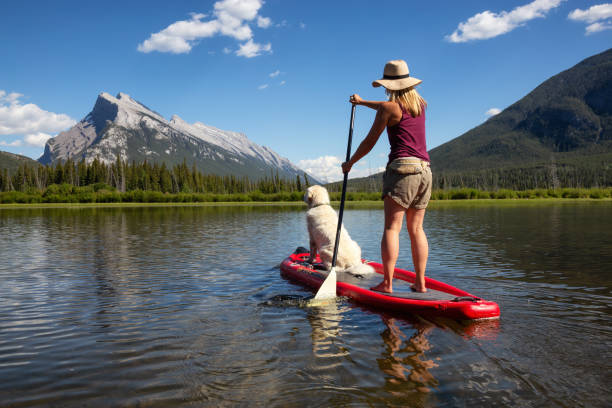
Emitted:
<point x="396" y="76"/>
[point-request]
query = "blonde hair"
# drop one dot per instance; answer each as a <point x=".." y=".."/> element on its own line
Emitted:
<point x="409" y="99"/>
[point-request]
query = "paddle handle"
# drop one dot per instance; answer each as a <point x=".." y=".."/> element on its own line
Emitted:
<point x="344" y="182"/>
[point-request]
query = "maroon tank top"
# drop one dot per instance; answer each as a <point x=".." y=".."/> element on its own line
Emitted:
<point x="407" y="138"/>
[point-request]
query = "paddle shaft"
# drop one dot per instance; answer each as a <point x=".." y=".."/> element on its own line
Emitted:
<point x="344" y="182"/>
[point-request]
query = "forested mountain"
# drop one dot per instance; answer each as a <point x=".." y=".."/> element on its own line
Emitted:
<point x="12" y="161"/>
<point x="559" y="135"/>
<point x="121" y="127"/>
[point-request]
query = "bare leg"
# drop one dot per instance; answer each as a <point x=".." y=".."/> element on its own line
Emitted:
<point x="389" y="246"/>
<point x="419" y="246"/>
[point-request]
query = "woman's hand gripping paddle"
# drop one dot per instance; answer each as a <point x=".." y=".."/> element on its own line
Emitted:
<point x="328" y="288"/>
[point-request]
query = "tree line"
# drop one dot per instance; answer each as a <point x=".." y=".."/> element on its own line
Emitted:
<point x="145" y="176"/>
<point x="100" y="182"/>
<point x="588" y="174"/>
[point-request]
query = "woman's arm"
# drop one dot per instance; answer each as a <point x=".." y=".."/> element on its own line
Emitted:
<point x="383" y="114"/>
<point x="356" y="100"/>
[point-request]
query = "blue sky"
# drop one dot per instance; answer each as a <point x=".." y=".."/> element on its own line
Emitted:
<point x="281" y="71"/>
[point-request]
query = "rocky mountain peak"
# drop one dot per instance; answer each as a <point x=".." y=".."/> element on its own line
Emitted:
<point x="105" y="109"/>
<point x="123" y="127"/>
<point x="122" y="95"/>
<point x="177" y="120"/>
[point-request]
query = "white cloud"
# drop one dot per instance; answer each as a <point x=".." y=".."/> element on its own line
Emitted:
<point x="598" y="17"/>
<point x="227" y="50"/>
<point x="252" y="49"/>
<point x="283" y="82"/>
<point x="11" y="98"/>
<point x="262" y="87"/>
<point x="325" y="168"/>
<point x="596" y="27"/>
<point x="492" y="111"/>
<point x="302" y="26"/>
<point x="37" y="139"/>
<point x="14" y="143"/>
<point x="231" y="19"/>
<point x="328" y="168"/>
<point x="16" y="118"/>
<point x="238" y="9"/>
<point x="592" y="14"/>
<point x="263" y="22"/>
<point x="179" y="37"/>
<point x="275" y="74"/>
<point x="488" y="24"/>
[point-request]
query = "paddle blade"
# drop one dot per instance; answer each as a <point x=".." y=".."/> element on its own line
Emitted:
<point x="328" y="288"/>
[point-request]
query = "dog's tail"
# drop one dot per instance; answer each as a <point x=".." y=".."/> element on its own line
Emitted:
<point x="360" y="269"/>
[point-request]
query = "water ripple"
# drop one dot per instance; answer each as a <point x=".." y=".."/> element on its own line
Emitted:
<point x="167" y="307"/>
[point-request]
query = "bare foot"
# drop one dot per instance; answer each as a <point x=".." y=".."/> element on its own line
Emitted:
<point x="382" y="287"/>
<point x="417" y="289"/>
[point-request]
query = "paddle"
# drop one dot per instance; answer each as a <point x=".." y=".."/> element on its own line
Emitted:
<point x="328" y="288"/>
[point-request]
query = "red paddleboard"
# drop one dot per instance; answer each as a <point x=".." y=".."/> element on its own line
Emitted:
<point x="439" y="300"/>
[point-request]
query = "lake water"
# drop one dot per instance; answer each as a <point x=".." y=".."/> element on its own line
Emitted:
<point x="170" y="306"/>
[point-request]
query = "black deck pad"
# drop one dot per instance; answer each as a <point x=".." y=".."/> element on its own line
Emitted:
<point x="401" y="288"/>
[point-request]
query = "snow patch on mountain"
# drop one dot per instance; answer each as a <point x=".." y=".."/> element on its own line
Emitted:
<point x="231" y="141"/>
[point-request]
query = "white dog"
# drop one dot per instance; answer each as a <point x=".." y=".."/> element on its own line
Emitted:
<point x="322" y="223"/>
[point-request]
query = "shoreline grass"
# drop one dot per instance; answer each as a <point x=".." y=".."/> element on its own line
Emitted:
<point x="70" y="196"/>
<point x="349" y="204"/>
<point x="168" y="204"/>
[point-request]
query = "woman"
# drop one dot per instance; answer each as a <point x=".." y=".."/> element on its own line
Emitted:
<point x="407" y="179"/>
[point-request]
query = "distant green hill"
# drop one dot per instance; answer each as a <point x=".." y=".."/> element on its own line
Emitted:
<point x="559" y="135"/>
<point x="12" y="161"/>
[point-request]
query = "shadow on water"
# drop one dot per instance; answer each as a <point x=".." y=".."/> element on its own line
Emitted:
<point x="287" y="301"/>
<point x="485" y="329"/>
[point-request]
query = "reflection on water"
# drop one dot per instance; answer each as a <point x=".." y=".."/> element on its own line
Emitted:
<point x="173" y="306"/>
<point x="325" y="323"/>
<point x="411" y="371"/>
